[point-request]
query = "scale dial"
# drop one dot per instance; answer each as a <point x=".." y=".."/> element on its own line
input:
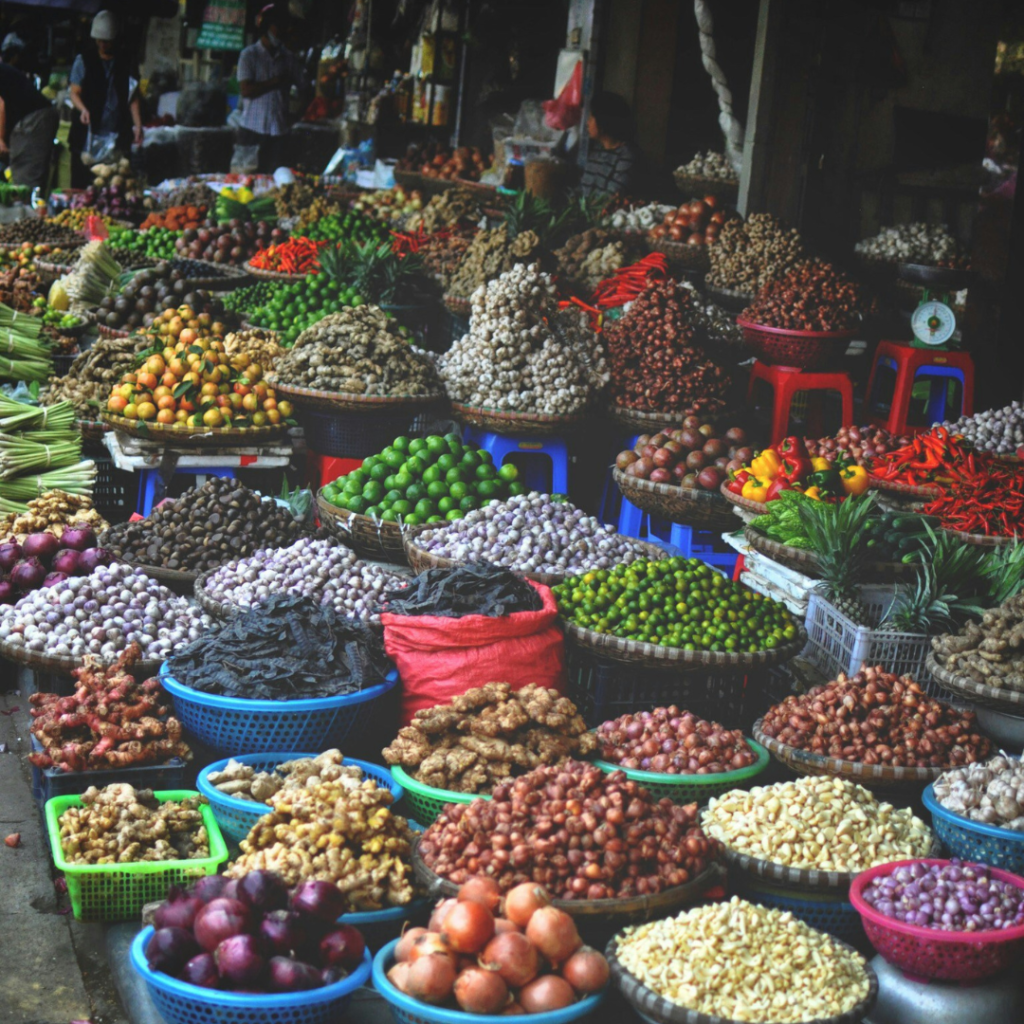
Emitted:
<point x="933" y="323"/>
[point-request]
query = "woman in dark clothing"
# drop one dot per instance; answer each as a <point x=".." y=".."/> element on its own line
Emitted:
<point x="615" y="163"/>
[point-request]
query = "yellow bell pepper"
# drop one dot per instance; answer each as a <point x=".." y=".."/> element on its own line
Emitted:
<point x="814" y="493"/>
<point x="855" y="479"/>
<point x="767" y="465"/>
<point x="755" y="490"/>
<point x="819" y="462"/>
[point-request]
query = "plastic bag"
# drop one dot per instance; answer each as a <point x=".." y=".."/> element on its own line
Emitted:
<point x="438" y="658"/>
<point x="245" y="159"/>
<point x="564" y="111"/>
<point x="100" y="147"/>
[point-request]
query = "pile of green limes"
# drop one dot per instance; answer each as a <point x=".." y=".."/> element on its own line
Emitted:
<point x="424" y="480"/>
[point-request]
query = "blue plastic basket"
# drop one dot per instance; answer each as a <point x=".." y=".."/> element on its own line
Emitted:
<point x="973" y="840"/>
<point x="236" y="817"/>
<point x="379" y="927"/>
<point x="181" y="1003"/>
<point x="237" y="725"/>
<point x="835" y="916"/>
<point x="411" y="1011"/>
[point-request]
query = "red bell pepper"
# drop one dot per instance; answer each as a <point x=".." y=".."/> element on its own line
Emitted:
<point x="795" y="467"/>
<point x="779" y="485"/>
<point x="793" y="447"/>
<point x="735" y="485"/>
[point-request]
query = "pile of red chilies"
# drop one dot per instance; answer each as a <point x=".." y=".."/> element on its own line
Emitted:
<point x="403" y="244"/>
<point x="980" y="493"/>
<point x="296" y="256"/>
<point x="622" y="287"/>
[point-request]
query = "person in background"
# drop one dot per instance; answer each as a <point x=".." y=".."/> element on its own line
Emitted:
<point x="105" y="92"/>
<point x="266" y="71"/>
<point x="12" y="51"/>
<point x="28" y="123"/>
<point x="615" y="164"/>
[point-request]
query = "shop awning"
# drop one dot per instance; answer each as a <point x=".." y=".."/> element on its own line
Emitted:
<point x="152" y="8"/>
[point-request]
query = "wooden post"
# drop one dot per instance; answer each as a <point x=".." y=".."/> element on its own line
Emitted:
<point x="757" y="142"/>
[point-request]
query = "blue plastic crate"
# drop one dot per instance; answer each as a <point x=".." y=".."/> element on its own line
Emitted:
<point x="379" y="927"/>
<point x="834" y="915"/>
<point x="236" y="725"/>
<point x="973" y="840"/>
<point x="236" y="817"/>
<point x="180" y="1003"/>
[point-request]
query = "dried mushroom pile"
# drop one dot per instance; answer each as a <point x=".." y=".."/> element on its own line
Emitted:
<point x="992" y="793"/>
<point x="339" y="830"/>
<point x="455" y="206"/>
<point x="488" y="734"/>
<point x="243" y="782"/>
<point x="491" y="253"/>
<point x="523" y="353"/>
<point x="917" y="242"/>
<point x="748" y="254"/>
<point x="588" y="258"/>
<point x="122" y="825"/>
<point x="52" y="512"/>
<point x="358" y="351"/>
<point x="990" y="652"/>
<point x="88" y="382"/>
<point x="442" y="253"/>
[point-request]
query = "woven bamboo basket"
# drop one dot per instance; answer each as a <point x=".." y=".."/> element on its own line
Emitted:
<point x="334" y="401"/>
<point x="1010" y="702"/>
<point x="703" y="510"/>
<point x="176" y="581"/>
<point x="696" y="188"/>
<point x="650" y="421"/>
<point x="682" y="254"/>
<point x="729" y="299"/>
<point x="758" y="508"/>
<point x="88" y="321"/>
<point x="806" y="562"/>
<point x="199" y="437"/>
<point x="873" y="776"/>
<point x="637" y="652"/>
<point x="409" y="179"/>
<point x="982" y="540"/>
<point x="457" y="306"/>
<point x="420" y="560"/>
<point x="273" y="275"/>
<point x="369" y="538"/>
<point x="221" y="278"/>
<point x="66" y="665"/>
<point x="91" y="430"/>
<point x="218" y="609"/>
<point x="904" y="491"/>
<point x="112" y="332"/>
<point x="516" y="424"/>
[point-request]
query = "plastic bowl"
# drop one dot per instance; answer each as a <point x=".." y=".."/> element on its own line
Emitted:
<point x="684" y="788"/>
<point x="803" y="350"/>
<point x="929" y="954"/>
<point x="411" y="1011"/>
<point x="236" y="817"/>
<point x="973" y="840"/>
<point x="181" y="1003"/>
<point x="237" y="725"/>
<point x="427" y="802"/>
<point x="379" y="927"/>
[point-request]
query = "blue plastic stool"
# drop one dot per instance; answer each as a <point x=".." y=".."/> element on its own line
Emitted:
<point x="692" y="543"/>
<point x="148" y="479"/>
<point x="613" y="504"/>
<point x="554" y="448"/>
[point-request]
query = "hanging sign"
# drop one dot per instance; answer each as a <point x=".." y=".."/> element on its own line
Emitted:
<point x="223" y="26"/>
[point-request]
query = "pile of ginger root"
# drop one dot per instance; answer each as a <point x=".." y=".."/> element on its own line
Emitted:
<point x="110" y="721"/>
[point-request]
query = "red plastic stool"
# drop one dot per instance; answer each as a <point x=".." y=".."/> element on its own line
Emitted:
<point x="324" y="469"/>
<point x="909" y="363"/>
<point x="786" y="382"/>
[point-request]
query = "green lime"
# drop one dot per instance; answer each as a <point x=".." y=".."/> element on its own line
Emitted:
<point x="415" y="466"/>
<point x="432" y="474"/>
<point x="403" y="479"/>
<point x="468" y="503"/>
<point x="458" y="489"/>
<point x="380" y="472"/>
<point x="389" y="516"/>
<point x="417" y="445"/>
<point x="485" y="472"/>
<point x="390" y="482"/>
<point x="435" y="519"/>
<point x="445" y="505"/>
<point x="357" y="503"/>
<point x="485" y="456"/>
<point x="402" y="507"/>
<point x="425" y="507"/>
<point x="486" y="489"/>
<point x="438" y="489"/>
<point x="454" y="439"/>
<point x="359" y="475"/>
<point x="436" y="445"/>
<point x="392" y="457"/>
<point x="394" y="495"/>
<point x="341" y="500"/>
<point x="416" y="491"/>
<point x="456" y="513"/>
<point x="373" y="512"/>
<point x="515" y="488"/>
<point x="373" y="491"/>
<point x="411" y="519"/>
<point x="401" y="444"/>
<point x="470" y="458"/>
<point x="508" y="472"/>
<point x="446" y="462"/>
<point x="370" y="461"/>
<point x="455" y="476"/>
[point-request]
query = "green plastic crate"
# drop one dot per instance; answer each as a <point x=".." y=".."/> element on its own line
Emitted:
<point x="683" y="789"/>
<point x="425" y="802"/>
<point x="118" y="892"/>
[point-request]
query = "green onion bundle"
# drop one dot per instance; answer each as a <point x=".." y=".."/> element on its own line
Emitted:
<point x="77" y="479"/>
<point x="95" y="275"/>
<point x="24" y="355"/>
<point x="18" y="416"/>
<point x="21" y="455"/>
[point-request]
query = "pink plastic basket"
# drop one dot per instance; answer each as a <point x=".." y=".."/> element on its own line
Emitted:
<point x="805" y="350"/>
<point x="929" y="954"/>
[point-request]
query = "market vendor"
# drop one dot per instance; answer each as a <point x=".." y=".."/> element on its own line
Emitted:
<point x="615" y="163"/>
<point x="28" y="123"/>
<point x="266" y="71"/>
<point x="104" y="91"/>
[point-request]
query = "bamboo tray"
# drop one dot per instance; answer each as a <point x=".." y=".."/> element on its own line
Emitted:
<point x="336" y="401"/>
<point x="982" y="540"/>
<point x="420" y="560"/>
<point x="757" y="507"/>
<point x="226" y="279"/>
<point x="904" y="491"/>
<point x="650" y="421"/>
<point x="701" y="509"/>
<point x="873" y="776"/>
<point x="516" y="424"/>
<point x="67" y="664"/>
<point x="218" y="609"/>
<point x="806" y="562"/>
<point x="177" y="581"/>
<point x="199" y="437"/>
<point x="726" y="189"/>
<point x="273" y="275"/>
<point x="638" y="652"/>
<point x="369" y="538"/>
<point x="692" y="257"/>
<point x="619" y="912"/>
<point x="458" y="306"/>
<point x="1008" y="701"/>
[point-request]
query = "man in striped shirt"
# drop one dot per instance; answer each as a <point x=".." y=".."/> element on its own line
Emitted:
<point x="266" y="71"/>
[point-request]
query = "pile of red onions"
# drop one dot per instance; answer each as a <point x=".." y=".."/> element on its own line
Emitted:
<point x="674" y="742"/>
<point x="43" y="560"/>
<point x="952" y="897"/>
<point x="251" y="935"/>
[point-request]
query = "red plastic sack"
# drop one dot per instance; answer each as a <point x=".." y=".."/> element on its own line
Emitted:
<point x="438" y="658"/>
<point x="564" y="112"/>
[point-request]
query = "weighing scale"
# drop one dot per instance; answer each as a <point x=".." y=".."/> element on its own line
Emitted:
<point x="933" y="322"/>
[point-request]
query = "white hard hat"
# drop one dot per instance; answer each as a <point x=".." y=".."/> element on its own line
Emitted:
<point x="104" y="27"/>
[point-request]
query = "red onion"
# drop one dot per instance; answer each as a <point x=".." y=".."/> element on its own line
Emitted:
<point x="54" y="579"/>
<point x="263" y="891"/>
<point x="40" y="545"/>
<point x="318" y="899"/>
<point x="240" y="962"/>
<point x="29" y="573"/>
<point x="66" y="561"/>
<point x="10" y="555"/>
<point x="281" y="933"/>
<point x="169" y="949"/>
<point x="92" y="559"/>
<point x="78" y="537"/>
<point x="342" y="948"/>
<point x="8" y="595"/>
<point x="202" y="971"/>
<point x="209" y="887"/>
<point x="179" y="911"/>
<point x="287" y="975"/>
<point x="219" y="920"/>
